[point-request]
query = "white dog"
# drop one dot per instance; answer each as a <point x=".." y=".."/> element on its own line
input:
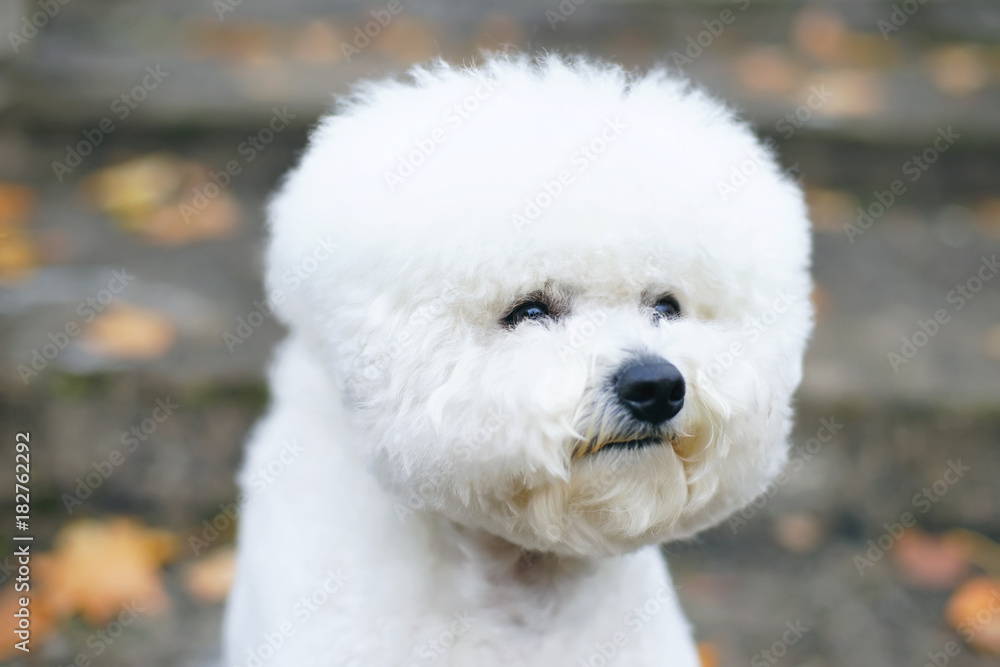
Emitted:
<point x="537" y="328"/>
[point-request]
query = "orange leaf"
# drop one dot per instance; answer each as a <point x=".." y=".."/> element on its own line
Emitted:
<point x="708" y="654"/>
<point x="974" y="612"/>
<point x="98" y="566"/>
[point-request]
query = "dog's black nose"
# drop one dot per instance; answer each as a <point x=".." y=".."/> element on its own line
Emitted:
<point x="652" y="390"/>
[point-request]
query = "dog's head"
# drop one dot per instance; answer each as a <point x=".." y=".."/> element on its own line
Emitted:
<point x="562" y="304"/>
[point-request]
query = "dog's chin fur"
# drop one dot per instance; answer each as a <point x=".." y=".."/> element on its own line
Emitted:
<point x="567" y="181"/>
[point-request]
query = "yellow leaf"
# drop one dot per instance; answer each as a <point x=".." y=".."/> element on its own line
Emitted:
<point x="128" y="332"/>
<point x="210" y="578"/>
<point x="98" y="566"/>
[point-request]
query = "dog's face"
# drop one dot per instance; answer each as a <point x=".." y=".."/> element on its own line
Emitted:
<point x="565" y="308"/>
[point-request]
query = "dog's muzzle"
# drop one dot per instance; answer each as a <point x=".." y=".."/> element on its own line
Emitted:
<point x="651" y="390"/>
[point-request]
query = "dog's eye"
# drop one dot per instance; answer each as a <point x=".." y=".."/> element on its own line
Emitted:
<point x="667" y="308"/>
<point x="529" y="310"/>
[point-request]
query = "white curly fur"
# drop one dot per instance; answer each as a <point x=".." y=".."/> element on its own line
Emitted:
<point x="452" y="465"/>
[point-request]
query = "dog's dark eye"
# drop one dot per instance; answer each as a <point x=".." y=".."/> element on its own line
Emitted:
<point x="530" y="310"/>
<point x="667" y="308"/>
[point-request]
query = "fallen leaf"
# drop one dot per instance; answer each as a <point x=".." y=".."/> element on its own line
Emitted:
<point x="708" y="654"/>
<point x="820" y="33"/>
<point x="767" y="69"/>
<point x="991" y="342"/>
<point x="318" y="43"/>
<point x="406" y="41"/>
<point x="958" y="70"/>
<point x="974" y="612"/>
<point x="798" y="532"/>
<point x="830" y="210"/>
<point x="18" y="254"/>
<point x="16" y="204"/>
<point x="98" y="566"/>
<point x="199" y="220"/>
<point x="210" y="578"/>
<point x="851" y="93"/>
<point x="988" y="216"/>
<point x="132" y="190"/>
<point x="240" y="42"/>
<point x="128" y="332"/>
<point x="929" y="561"/>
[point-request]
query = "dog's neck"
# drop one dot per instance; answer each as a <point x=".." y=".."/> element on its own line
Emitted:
<point x="494" y="573"/>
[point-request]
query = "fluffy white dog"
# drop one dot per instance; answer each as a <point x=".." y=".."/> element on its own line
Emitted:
<point x="537" y="328"/>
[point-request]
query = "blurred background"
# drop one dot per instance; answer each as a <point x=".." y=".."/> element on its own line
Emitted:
<point x="128" y="263"/>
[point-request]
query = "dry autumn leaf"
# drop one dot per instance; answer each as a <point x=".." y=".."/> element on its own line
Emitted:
<point x="131" y="191"/>
<point x="974" y="612"/>
<point x="210" y="578"/>
<point x="799" y="533"/>
<point x="820" y="33"/>
<point x="18" y="254"/>
<point x="958" y="70"/>
<point x="991" y="342"/>
<point x="186" y="222"/>
<point x="929" y="561"/>
<point x="406" y="41"/>
<point x="708" y="654"/>
<point x="767" y="69"/>
<point x="16" y="204"/>
<point x="318" y="43"/>
<point x="830" y="210"/>
<point x="128" y="332"/>
<point x="988" y="216"/>
<point x="165" y="199"/>
<point x="852" y="93"/>
<point x="98" y="566"/>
